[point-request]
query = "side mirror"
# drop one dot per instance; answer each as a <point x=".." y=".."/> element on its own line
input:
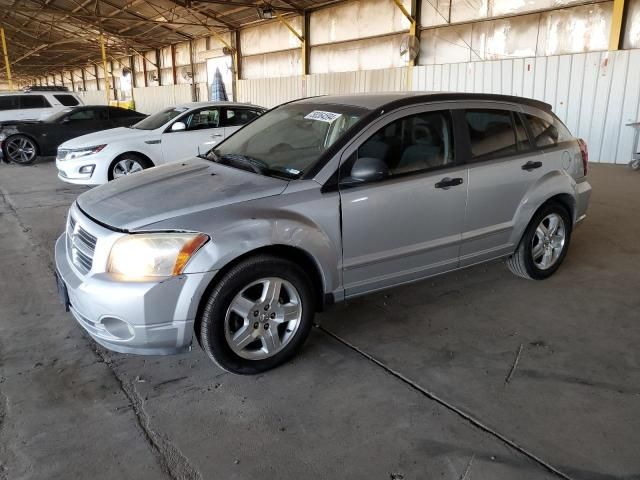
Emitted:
<point x="368" y="169"/>
<point x="178" y="127"/>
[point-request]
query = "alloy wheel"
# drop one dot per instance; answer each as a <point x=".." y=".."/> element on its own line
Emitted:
<point x="126" y="167"/>
<point x="548" y="241"/>
<point x="263" y="318"/>
<point x="21" y="150"/>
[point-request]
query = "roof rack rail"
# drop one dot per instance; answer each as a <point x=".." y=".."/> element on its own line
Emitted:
<point x="35" y="88"/>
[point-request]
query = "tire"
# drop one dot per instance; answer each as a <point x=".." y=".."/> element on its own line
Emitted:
<point x="20" y="149"/>
<point x="246" y="288"/>
<point x="127" y="164"/>
<point x="634" y="164"/>
<point x="541" y="251"/>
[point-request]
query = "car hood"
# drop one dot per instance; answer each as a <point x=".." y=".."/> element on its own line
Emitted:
<point x="172" y="190"/>
<point x="107" y="137"/>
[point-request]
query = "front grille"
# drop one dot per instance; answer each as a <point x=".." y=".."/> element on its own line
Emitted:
<point x="62" y="153"/>
<point x="81" y="245"/>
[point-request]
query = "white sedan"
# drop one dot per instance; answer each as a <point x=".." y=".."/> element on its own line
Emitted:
<point x="167" y="136"/>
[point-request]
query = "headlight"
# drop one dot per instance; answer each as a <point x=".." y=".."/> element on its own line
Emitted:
<point x="83" y="152"/>
<point x="154" y="254"/>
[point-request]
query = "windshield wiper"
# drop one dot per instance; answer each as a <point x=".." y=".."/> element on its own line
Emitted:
<point x="250" y="163"/>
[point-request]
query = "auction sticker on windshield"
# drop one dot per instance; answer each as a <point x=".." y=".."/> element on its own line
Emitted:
<point x="328" y="117"/>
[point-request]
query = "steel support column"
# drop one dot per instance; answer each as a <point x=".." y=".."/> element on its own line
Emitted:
<point x="158" y="63"/>
<point x="298" y="36"/>
<point x="306" y="47"/>
<point x="236" y="58"/>
<point x="7" y="64"/>
<point x="413" y="28"/>
<point x="174" y="70"/>
<point x="617" y="18"/>
<point x="194" y="95"/>
<point x="107" y="86"/>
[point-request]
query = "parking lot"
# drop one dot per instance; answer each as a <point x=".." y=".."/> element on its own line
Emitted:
<point x="476" y="374"/>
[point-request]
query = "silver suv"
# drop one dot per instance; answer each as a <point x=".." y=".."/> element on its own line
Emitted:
<point x="315" y="202"/>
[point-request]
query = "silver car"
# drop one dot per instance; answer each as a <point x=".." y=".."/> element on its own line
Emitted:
<point x="318" y="201"/>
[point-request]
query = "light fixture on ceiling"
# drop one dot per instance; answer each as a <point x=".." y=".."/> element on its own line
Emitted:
<point x="265" y="12"/>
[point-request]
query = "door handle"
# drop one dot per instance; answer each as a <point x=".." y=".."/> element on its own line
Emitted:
<point x="213" y="135"/>
<point x="448" y="182"/>
<point x="531" y="166"/>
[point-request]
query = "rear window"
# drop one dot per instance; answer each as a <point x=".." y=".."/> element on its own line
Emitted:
<point x="67" y="100"/>
<point x="117" y="112"/>
<point x="9" y="102"/>
<point x="491" y="133"/>
<point x="33" y="101"/>
<point x="547" y="132"/>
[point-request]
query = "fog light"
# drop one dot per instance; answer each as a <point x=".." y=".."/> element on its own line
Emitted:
<point x="87" y="169"/>
<point x="117" y="328"/>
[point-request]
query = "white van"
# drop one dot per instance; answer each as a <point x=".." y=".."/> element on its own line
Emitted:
<point x="36" y="103"/>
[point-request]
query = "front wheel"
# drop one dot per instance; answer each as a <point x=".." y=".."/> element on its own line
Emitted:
<point x="21" y="150"/>
<point x="258" y="315"/>
<point x="127" y="164"/>
<point x="544" y="244"/>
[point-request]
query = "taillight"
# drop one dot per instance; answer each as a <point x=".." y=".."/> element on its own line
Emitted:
<point x="585" y="155"/>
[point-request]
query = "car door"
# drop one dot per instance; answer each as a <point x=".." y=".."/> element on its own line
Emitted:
<point x="34" y="107"/>
<point x="234" y="118"/>
<point x="80" y="122"/>
<point x="408" y="224"/>
<point x="503" y="166"/>
<point x="203" y="131"/>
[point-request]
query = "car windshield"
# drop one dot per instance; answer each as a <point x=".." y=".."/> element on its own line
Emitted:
<point x="58" y="115"/>
<point x="159" y="119"/>
<point x="287" y="140"/>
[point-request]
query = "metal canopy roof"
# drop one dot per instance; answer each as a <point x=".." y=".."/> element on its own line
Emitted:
<point x="47" y="36"/>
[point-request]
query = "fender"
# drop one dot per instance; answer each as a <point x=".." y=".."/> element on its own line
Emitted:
<point x="237" y="230"/>
<point x="550" y="185"/>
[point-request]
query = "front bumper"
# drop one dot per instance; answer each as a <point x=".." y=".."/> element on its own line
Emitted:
<point x="69" y="170"/>
<point x="149" y="318"/>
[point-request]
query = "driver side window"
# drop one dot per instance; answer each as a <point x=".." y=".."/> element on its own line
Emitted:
<point x="412" y="144"/>
<point x="203" y="119"/>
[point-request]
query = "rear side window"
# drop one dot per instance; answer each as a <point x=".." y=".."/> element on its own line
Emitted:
<point x="33" y="101"/>
<point x="234" y="117"/>
<point x="547" y="132"/>
<point x="88" y="114"/>
<point x="67" y="100"/>
<point x="492" y="134"/>
<point x="9" y="102"/>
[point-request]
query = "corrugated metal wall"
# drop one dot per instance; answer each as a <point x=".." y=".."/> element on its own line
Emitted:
<point x="269" y="92"/>
<point x="153" y="99"/>
<point x="93" y="97"/>
<point x="596" y="94"/>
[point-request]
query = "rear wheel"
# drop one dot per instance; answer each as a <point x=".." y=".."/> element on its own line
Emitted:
<point x="544" y="244"/>
<point x="258" y="315"/>
<point x="20" y="149"/>
<point x="127" y="164"/>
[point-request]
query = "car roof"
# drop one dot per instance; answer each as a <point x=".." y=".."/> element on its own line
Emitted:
<point x="372" y="101"/>
<point x="38" y="92"/>
<point x="216" y="104"/>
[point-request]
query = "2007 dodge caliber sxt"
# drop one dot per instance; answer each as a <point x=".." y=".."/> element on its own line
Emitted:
<point x="317" y="201"/>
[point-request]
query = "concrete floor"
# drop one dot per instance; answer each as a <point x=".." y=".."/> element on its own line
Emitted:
<point x="405" y="384"/>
